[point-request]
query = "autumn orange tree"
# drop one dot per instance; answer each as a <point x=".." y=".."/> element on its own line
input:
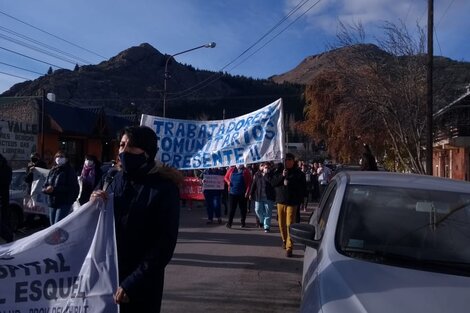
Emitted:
<point x="376" y="95"/>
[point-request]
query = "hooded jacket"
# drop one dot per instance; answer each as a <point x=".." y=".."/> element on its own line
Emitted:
<point x="146" y="211"/>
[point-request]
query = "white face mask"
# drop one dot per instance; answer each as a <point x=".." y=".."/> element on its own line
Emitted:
<point x="60" y="161"/>
<point x="88" y="162"/>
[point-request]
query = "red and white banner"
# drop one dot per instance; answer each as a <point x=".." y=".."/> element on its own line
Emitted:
<point x="191" y="189"/>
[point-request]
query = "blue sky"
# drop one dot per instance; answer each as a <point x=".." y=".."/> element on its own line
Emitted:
<point x="107" y="27"/>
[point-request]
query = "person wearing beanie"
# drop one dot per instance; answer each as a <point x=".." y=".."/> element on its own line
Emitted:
<point x="146" y="214"/>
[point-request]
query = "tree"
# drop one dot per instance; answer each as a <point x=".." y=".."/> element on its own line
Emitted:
<point x="76" y="68"/>
<point x="50" y="71"/>
<point x="377" y="94"/>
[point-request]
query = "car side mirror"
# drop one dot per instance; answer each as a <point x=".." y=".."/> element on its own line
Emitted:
<point x="305" y="234"/>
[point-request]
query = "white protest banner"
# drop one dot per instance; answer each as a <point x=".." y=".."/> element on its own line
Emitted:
<point x="213" y="182"/>
<point x="251" y="138"/>
<point x="68" y="267"/>
<point x="37" y="202"/>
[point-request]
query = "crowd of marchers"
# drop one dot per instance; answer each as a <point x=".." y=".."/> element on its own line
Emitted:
<point x="279" y="191"/>
<point x="147" y="204"/>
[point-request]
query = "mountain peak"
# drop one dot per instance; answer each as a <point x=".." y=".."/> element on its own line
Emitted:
<point x="136" y="54"/>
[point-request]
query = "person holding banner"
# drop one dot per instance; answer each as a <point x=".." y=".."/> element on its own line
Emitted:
<point x="62" y="187"/>
<point x="146" y="213"/>
<point x="213" y="185"/>
<point x="238" y="179"/>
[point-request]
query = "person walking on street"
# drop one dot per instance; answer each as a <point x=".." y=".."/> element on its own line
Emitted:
<point x="5" y="180"/>
<point x="238" y="179"/>
<point x="212" y="196"/>
<point x="146" y="215"/>
<point x="62" y="187"/>
<point x="324" y="174"/>
<point x="263" y="194"/>
<point x="290" y="189"/>
<point x="315" y="183"/>
<point x="309" y="186"/>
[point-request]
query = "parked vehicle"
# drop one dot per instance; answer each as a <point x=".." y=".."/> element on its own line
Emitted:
<point x="17" y="194"/>
<point x="387" y="242"/>
<point x="19" y="213"/>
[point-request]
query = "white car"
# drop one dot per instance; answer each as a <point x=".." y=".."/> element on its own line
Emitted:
<point x="387" y="242"/>
<point x="19" y="212"/>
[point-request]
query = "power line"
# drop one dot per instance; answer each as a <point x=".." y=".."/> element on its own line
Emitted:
<point x="21" y="68"/>
<point x="295" y="9"/>
<point x="211" y="79"/>
<point x="27" y="56"/>
<point x="21" y="43"/>
<point x="445" y="12"/>
<point x="13" y="75"/>
<point x="43" y="44"/>
<point x="185" y="93"/>
<point x="55" y="36"/>
<point x="437" y="39"/>
<point x="283" y="30"/>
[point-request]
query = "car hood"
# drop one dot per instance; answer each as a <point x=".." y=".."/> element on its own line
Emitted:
<point x="350" y="285"/>
<point x="17" y="195"/>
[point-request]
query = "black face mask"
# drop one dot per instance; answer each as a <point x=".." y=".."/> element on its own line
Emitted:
<point x="131" y="163"/>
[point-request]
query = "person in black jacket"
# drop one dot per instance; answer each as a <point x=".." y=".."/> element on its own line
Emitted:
<point x="61" y="185"/>
<point x="368" y="162"/>
<point x="5" y="180"/>
<point x="146" y="212"/>
<point x="264" y="195"/>
<point x="290" y="189"/>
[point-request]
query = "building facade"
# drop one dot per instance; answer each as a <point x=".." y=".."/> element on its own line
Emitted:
<point x="31" y="124"/>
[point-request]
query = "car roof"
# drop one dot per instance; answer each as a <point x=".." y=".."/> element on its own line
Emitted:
<point x="404" y="180"/>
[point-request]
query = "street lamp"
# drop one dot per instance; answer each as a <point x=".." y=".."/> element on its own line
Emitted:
<point x="208" y="45"/>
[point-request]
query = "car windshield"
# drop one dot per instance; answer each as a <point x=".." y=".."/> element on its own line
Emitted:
<point x="425" y="229"/>
<point x="17" y="180"/>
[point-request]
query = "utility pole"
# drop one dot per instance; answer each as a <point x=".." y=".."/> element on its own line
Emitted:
<point x="43" y="107"/>
<point x="429" y="100"/>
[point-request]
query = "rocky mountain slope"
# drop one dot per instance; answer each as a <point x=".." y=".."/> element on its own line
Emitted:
<point x="132" y="82"/>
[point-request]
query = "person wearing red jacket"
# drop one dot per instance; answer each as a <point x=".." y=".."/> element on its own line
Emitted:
<point x="238" y="179"/>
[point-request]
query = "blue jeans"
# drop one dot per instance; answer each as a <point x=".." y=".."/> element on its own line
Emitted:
<point x="56" y="214"/>
<point x="212" y="204"/>
<point x="264" y="211"/>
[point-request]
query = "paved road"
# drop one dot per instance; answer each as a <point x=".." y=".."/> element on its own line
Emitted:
<point x="216" y="269"/>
